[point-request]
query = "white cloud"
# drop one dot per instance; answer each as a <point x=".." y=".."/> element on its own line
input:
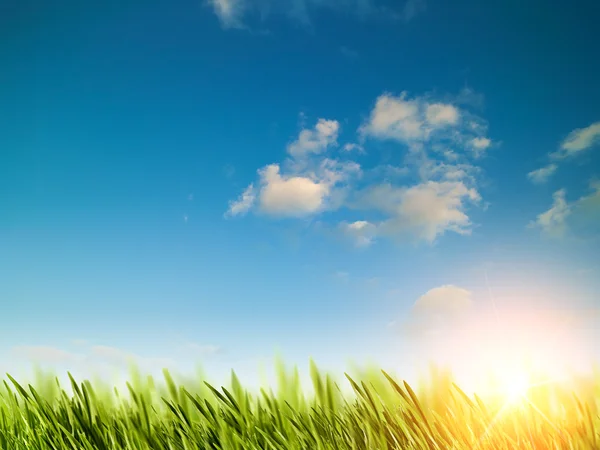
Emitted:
<point x="98" y="358"/>
<point x="553" y="221"/>
<point x="349" y="147"/>
<point x="243" y="204"/>
<point x="418" y="121"/>
<point x="229" y="12"/>
<point x="480" y="144"/>
<point x="292" y="195"/>
<point x="441" y="114"/>
<point x="590" y="204"/>
<point x="430" y="209"/>
<point x="342" y="276"/>
<point x="468" y="96"/>
<point x="395" y="118"/>
<point x="542" y="174"/>
<point x="425" y="211"/>
<point x="558" y="220"/>
<point x="578" y="140"/>
<point x="195" y="349"/>
<point x="315" y="141"/>
<point x="443" y="299"/>
<point x="45" y="354"/>
<point x="440" y="309"/>
<point x="307" y="183"/>
<point x="361" y="232"/>
<point x="439" y="138"/>
<point x="575" y="143"/>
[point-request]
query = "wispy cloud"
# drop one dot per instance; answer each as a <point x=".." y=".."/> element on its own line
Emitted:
<point x="229" y="12"/>
<point x="360" y="232"/>
<point x="316" y="140"/>
<point x="543" y="174"/>
<point x="553" y="222"/>
<point x="353" y="147"/>
<point x="243" y="204"/>
<point x="439" y="310"/>
<point x="578" y="141"/>
<point x="101" y="357"/>
<point x="45" y="354"/>
<point x="233" y="13"/>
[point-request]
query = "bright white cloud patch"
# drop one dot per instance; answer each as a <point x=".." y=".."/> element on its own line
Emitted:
<point x="542" y="174"/>
<point x="232" y="12"/>
<point x="306" y="184"/>
<point x="290" y="196"/>
<point x="590" y="204"/>
<point x="103" y="359"/>
<point x="44" y="354"/>
<point x="315" y="141"/>
<point x="443" y="299"/>
<point x="439" y="309"/>
<point x="437" y="141"/>
<point x="361" y="232"/>
<point x="480" y="145"/>
<point x="395" y="118"/>
<point x="243" y="204"/>
<point x="584" y="211"/>
<point x="417" y="121"/>
<point x="425" y="211"/>
<point x="553" y="221"/>
<point x="229" y="12"/>
<point x="429" y="209"/>
<point x="579" y="140"/>
<point x="349" y="147"/>
<point x="441" y="114"/>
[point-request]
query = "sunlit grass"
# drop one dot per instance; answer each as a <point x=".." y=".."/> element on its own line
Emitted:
<point x="382" y="413"/>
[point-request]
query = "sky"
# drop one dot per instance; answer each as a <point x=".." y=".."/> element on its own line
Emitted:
<point x="339" y="179"/>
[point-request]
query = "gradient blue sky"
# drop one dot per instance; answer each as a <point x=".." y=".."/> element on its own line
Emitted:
<point x="385" y="149"/>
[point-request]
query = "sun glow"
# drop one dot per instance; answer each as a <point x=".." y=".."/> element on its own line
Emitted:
<point x="514" y="385"/>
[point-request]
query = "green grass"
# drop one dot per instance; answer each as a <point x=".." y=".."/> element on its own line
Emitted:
<point x="381" y="413"/>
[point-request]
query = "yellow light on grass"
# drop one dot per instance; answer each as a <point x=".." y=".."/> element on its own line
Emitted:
<point x="515" y="385"/>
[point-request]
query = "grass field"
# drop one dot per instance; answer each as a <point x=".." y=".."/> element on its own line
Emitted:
<point x="381" y="412"/>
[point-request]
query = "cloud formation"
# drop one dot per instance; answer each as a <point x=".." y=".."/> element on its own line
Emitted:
<point x="441" y="309"/>
<point x="229" y="12"/>
<point x="306" y="183"/>
<point x="315" y="141"/>
<point x="98" y="358"/>
<point x="418" y="121"/>
<point x="436" y="139"/>
<point x="543" y="174"/>
<point x="360" y="232"/>
<point x="425" y="211"/>
<point x="243" y="204"/>
<point x="578" y="140"/>
<point x="233" y="13"/>
<point x="553" y="221"/>
<point x="556" y="221"/>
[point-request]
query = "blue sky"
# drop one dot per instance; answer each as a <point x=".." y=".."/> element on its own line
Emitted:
<point x="217" y="180"/>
